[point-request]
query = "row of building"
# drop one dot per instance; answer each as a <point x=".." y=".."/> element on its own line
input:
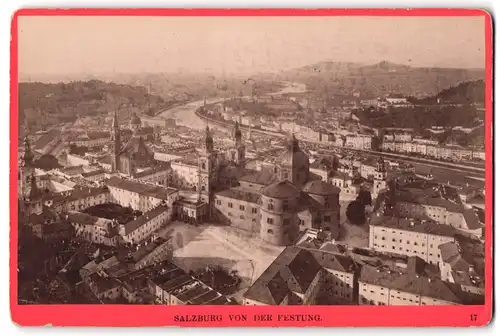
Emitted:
<point x="300" y="276"/>
<point x="447" y="152"/>
<point x="161" y="282"/>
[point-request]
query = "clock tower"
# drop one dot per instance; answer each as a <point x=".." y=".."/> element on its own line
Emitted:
<point x="238" y="151"/>
<point x="207" y="168"/>
<point x="380" y="180"/>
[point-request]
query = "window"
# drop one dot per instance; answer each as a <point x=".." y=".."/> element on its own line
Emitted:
<point x="242" y="207"/>
<point x="394" y="239"/>
<point x="270" y="221"/>
<point x="219" y="202"/>
<point x="229" y="204"/>
<point x="242" y="217"/>
<point x="301" y="222"/>
<point x="254" y="210"/>
<point x="270" y="231"/>
<point x="270" y="206"/>
<point x="203" y="165"/>
<point x="230" y="214"/>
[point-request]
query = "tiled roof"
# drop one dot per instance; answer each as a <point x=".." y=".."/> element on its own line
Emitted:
<point x="82" y="218"/>
<point x="140" y="188"/>
<point x="158" y="168"/>
<point x="427" y="197"/>
<point x="98" y="135"/>
<point x="322" y="188"/>
<point x="45" y="139"/>
<point x="428" y="226"/>
<point x="335" y="261"/>
<point x="282" y="189"/>
<point x="145" y="218"/>
<point x="292" y="271"/>
<point x="148" y="248"/>
<point x="136" y="147"/>
<point x="472" y="219"/>
<point x="104" y="284"/>
<point x="240" y="194"/>
<point x="410" y="283"/>
<point x="93" y="173"/>
<point x="264" y="177"/>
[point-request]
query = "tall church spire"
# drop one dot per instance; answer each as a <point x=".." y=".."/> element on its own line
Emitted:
<point x="209" y="141"/>
<point x="115" y="135"/>
<point x="28" y="156"/>
<point x="237" y="132"/>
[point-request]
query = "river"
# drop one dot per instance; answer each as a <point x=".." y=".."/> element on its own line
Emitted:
<point x="185" y="114"/>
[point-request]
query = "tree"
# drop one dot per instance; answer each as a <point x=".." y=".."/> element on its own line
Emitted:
<point x="356" y="213"/>
<point x="47" y="162"/>
<point x="364" y="197"/>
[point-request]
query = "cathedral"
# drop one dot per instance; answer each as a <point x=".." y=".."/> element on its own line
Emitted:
<point x="129" y="159"/>
<point x="275" y="203"/>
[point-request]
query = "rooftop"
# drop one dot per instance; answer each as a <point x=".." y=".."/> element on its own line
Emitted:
<point x="145" y="218"/>
<point x="319" y="187"/>
<point x="264" y="177"/>
<point x="281" y="189"/>
<point x="147" y="248"/>
<point x="421" y="226"/>
<point x="140" y="188"/>
<point x="93" y="173"/>
<point x="292" y="271"/>
<point x="411" y="283"/>
<point x="239" y="194"/>
<point x="428" y="196"/>
<point x="151" y="171"/>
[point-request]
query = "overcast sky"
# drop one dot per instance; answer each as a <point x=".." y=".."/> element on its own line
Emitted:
<point x="60" y="45"/>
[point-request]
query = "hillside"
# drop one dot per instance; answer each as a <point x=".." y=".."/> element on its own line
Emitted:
<point x="457" y="109"/>
<point x="379" y="79"/>
<point x="187" y="85"/>
<point x="49" y="104"/>
<point x="472" y="92"/>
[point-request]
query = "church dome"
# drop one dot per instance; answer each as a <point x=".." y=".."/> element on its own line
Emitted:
<point x="135" y="120"/>
<point x="281" y="190"/>
<point x="293" y="156"/>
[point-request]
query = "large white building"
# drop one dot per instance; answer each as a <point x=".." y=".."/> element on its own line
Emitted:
<point x="409" y="237"/>
<point x="138" y="195"/>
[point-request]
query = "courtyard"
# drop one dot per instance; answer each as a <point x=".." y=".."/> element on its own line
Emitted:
<point x="113" y="211"/>
<point x="196" y="247"/>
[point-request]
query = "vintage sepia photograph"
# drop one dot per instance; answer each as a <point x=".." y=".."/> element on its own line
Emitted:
<point x="252" y="161"/>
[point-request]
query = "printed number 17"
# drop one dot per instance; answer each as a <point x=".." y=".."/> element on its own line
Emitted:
<point x="473" y="317"/>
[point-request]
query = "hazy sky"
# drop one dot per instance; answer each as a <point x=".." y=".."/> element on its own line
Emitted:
<point x="59" y="45"/>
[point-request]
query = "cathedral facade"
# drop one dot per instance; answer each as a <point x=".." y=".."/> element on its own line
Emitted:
<point x="130" y="158"/>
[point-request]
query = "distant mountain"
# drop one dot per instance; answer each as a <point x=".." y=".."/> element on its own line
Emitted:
<point x="378" y="79"/>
